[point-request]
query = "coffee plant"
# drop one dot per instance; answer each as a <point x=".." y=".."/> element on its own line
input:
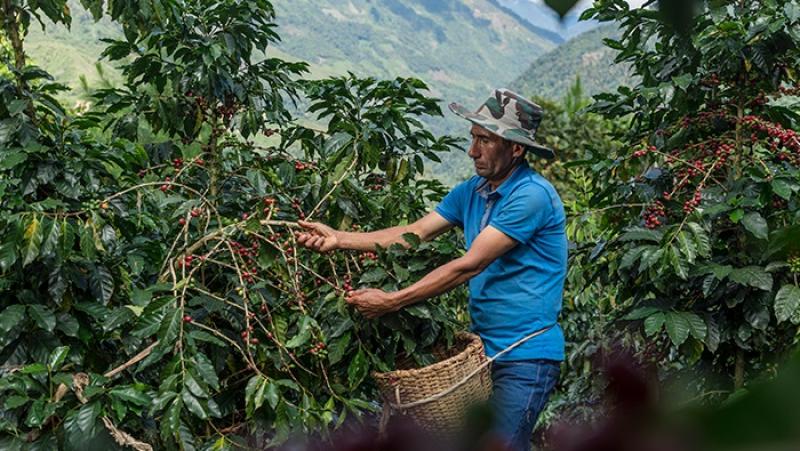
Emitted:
<point x="701" y="206"/>
<point x="589" y="306"/>
<point x="153" y="293"/>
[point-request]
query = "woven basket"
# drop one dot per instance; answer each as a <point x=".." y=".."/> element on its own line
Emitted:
<point x="445" y="414"/>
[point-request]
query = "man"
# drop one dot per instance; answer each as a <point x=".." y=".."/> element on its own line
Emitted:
<point x="516" y="260"/>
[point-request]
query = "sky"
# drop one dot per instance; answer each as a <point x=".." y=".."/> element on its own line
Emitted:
<point x="583" y="4"/>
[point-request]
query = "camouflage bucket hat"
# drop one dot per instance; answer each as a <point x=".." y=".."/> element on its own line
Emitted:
<point x="510" y="116"/>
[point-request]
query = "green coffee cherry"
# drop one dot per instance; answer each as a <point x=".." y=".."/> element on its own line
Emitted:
<point x="794" y="264"/>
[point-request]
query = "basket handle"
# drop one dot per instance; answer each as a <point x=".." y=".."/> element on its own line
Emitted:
<point x="466" y="378"/>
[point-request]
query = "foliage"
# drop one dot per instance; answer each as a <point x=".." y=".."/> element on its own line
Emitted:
<point x="700" y="205"/>
<point x="338" y="40"/>
<point x="174" y="301"/>
<point x="552" y="75"/>
<point x="576" y="136"/>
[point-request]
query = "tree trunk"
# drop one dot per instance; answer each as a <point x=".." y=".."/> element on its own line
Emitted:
<point x="214" y="161"/>
<point x="11" y="26"/>
<point x="738" y="373"/>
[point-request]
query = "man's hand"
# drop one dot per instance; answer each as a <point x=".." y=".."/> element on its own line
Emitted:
<point x="318" y="236"/>
<point x="371" y="302"/>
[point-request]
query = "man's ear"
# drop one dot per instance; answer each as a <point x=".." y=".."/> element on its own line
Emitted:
<point x="517" y="150"/>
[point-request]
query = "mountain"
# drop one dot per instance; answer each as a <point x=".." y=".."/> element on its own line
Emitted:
<point x="461" y="48"/>
<point x="540" y="16"/>
<point x="584" y="56"/>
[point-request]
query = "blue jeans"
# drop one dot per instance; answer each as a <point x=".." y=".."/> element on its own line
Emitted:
<point x="520" y="391"/>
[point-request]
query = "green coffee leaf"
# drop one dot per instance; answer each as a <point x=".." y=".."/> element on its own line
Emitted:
<point x="357" y="369"/>
<point x="756" y="224"/>
<point x="653" y="324"/>
<point x="42" y="316"/>
<point x="57" y="357"/>
<point x="787" y="304"/>
<point x="101" y="283"/>
<point x="33" y="240"/>
<point x="697" y="326"/>
<point x="193" y="404"/>
<point x="678" y="327"/>
<point x="10" y="317"/>
<point x="206" y="370"/>
<point x="753" y="276"/>
<point x="8" y="256"/>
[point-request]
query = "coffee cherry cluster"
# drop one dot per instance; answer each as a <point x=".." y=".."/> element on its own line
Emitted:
<point x="759" y="100"/>
<point x="653" y="213"/>
<point x="177" y="163"/>
<point x="275" y="237"/>
<point x="165" y="187"/>
<point x="298" y="208"/>
<point x="794" y="264"/>
<point x="372" y="256"/>
<point x="692" y="203"/>
<point x="779" y="203"/>
<point x="711" y="80"/>
<point x="375" y="182"/>
<point x="347" y="283"/>
<point x="303" y="165"/>
<point x="701" y="157"/>
<point x="248" y="254"/>
<point x="704" y="120"/>
<point x="790" y="90"/>
<point x="643" y="151"/>
<point x="317" y="348"/>
<point x="247" y="335"/>
<point x="270" y="206"/>
<point x="778" y="137"/>
<point x="200" y="101"/>
<point x="186" y="262"/>
<point x="226" y="112"/>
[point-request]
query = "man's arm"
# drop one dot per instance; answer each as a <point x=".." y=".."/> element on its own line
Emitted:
<point x="323" y="238"/>
<point x="488" y="246"/>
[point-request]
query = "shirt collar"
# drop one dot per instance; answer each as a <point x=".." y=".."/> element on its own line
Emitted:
<point x="485" y="190"/>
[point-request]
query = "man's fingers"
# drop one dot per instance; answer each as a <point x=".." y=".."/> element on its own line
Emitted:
<point x="314" y="227"/>
<point x="355" y="293"/>
<point x="316" y="242"/>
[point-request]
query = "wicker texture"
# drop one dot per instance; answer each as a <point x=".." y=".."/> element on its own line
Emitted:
<point x="406" y="386"/>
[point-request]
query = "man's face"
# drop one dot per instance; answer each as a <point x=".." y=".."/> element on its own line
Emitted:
<point x="493" y="155"/>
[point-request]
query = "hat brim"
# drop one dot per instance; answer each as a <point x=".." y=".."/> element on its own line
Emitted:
<point x="492" y="125"/>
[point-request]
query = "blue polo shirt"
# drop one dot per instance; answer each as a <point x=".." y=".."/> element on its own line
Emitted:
<point x="520" y="292"/>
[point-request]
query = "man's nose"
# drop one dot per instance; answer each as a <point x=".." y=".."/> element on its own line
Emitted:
<point x="473" y="150"/>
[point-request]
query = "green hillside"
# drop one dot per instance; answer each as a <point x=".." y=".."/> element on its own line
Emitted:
<point x="461" y="48"/>
<point x="461" y="45"/>
<point x="68" y="54"/>
<point x="584" y="56"/>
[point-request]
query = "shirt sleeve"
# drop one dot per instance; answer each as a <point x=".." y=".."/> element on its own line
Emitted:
<point x="527" y="210"/>
<point x="453" y="206"/>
